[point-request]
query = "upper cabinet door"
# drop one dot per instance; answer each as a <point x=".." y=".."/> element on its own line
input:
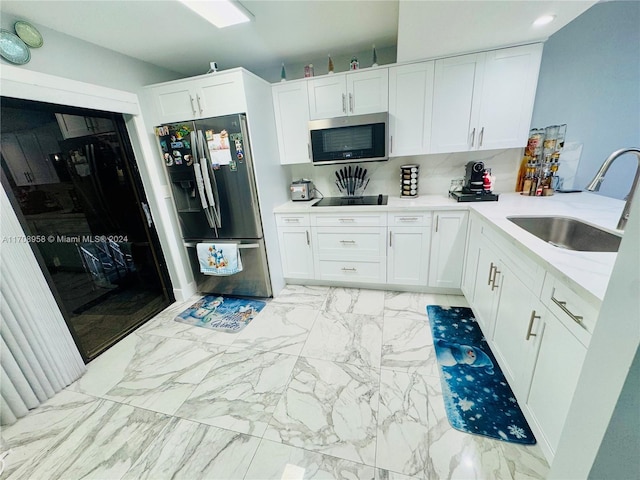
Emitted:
<point x="220" y="94"/>
<point x="175" y="102"/>
<point x="508" y="95"/>
<point x="327" y="97"/>
<point x="455" y="107"/>
<point x="410" y="105"/>
<point x="353" y="93"/>
<point x="368" y="91"/>
<point x="292" y="117"/>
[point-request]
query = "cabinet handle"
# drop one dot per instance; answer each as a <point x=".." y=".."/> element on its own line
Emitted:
<point x="199" y="106"/>
<point x="193" y="108"/>
<point x="473" y="136"/>
<point x="309" y="150"/>
<point x="408" y="219"/>
<point x="348" y="242"/>
<point x="391" y="144"/>
<point x="292" y="220"/>
<point x="563" y="306"/>
<point x="307" y="234"/>
<point x="437" y="222"/>
<point x="491" y="273"/>
<point x="533" y="317"/>
<point x="344" y="103"/>
<point x="345" y="269"/>
<point x="493" y="284"/>
<point x="481" y="137"/>
<point x="86" y="123"/>
<point x="390" y="237"/>
<point x="351" y="103"/>
<point x="347" y="219"/>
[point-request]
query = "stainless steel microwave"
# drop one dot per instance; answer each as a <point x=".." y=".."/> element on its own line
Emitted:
<point x="357" y="138"/>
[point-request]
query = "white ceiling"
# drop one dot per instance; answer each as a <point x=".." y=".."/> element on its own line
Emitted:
<point x="167" y="34"/>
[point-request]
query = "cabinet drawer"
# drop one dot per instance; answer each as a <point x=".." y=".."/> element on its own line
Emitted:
<point x="292" y="220"/>
<point x="351" y="271"/>
<point x="349" y="220"/>
<point x="350" y="242"/>
<point x="407" y="219"/>
<point x="575" y="313"/>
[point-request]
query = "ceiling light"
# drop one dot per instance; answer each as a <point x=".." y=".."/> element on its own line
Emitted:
<point x="221" y="13"/>
<point x="544" y="20"/>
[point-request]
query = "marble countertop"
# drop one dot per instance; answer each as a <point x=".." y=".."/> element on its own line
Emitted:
<point x="587" y="272"/>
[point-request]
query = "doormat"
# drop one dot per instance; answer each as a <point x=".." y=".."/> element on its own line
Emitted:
<point x="226" y="314"/>
<point x="477" y="397"/>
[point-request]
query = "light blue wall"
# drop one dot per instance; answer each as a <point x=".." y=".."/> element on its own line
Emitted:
<point x="590" y="80"/>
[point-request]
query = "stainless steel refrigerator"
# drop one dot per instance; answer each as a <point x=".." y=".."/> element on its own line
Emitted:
<point x="212" y="178"/>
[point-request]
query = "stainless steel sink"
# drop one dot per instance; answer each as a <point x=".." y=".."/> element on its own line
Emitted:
<point x="569" y="233"/>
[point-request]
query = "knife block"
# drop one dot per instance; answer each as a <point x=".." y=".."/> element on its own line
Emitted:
<point x="409" y="181"/>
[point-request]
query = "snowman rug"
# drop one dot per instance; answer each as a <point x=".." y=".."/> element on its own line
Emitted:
<point x="477" y="397"/>
<point x="227" y="314"/>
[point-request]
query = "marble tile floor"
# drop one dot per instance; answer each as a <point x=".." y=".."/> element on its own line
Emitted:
<point x="323" y="383"/>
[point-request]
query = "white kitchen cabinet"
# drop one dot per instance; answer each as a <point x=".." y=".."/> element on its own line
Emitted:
<point x="349" y="247"/>
<point x="557" y="369"/>
<point x="73" y="126"/>
<point x="408" y="248"/>
<point x="353" y="93"/>
<point x="410" y="108"/>
<point x="294" y="238"/>
<point x="448" y="236"/>
<point x="291" y="108"/>
<point x="484" y="101"/>
<point x="487" y="287"/>
<point x="517" y="330"/>
<point x="470" y="269"/>
<point x="201" y="97"/>
<point x="28" y="163"/>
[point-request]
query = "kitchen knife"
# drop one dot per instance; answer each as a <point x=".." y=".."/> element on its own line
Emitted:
<point x="364" y="174"/>
<point x="343" y="177"/>
<point x="349" y="181"/>
<point x="339" y="187"/>
<point x="338" y="176"/>
<point x="356" y="174"/>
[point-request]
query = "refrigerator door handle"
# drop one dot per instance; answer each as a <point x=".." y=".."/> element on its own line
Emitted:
<point x="197" y="170"/>
<point x="210" y="185"/>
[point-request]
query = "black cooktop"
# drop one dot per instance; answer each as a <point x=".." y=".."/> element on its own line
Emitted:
<point x="348" y="201"/>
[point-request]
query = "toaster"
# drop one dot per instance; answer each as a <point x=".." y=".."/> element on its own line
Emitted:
<point x="302" y="190"/>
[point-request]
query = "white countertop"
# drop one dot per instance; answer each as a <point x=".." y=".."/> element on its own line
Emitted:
<point x="588" y="271"/>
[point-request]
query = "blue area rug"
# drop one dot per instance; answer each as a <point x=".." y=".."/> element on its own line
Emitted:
<point x="227" y="314"/>
<point x="477" y="397"/>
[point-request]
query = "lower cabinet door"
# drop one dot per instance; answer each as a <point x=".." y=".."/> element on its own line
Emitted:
<point x="295" y="252"/>
<point x="448" y="237"/>
<point x="408" y="255"/>
<point x="555" y="377"/>
<point x="486" y="288"/>
<point x="517" y="330"/>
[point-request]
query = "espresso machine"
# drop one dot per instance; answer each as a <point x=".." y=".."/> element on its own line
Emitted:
<point x="475" y="187"/>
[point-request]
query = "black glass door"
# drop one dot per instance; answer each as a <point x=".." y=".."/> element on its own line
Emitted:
<point x="75" y="185"/>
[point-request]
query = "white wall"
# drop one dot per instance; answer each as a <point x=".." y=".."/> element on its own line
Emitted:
<point x="436" y="172"/>
<point x="589" y="80"/>
<point x="69" y="57"/>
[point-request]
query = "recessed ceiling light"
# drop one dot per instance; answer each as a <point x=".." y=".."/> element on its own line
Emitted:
<point x="544" y="20"/>
<point x="221" y="13"/>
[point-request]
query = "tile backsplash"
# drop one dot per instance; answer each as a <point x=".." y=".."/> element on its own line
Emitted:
<point x="436" y="172"/>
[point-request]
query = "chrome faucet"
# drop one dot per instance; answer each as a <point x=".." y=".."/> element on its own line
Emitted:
<point x="594" y="186"/>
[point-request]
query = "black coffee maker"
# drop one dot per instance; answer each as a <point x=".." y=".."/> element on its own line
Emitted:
<point x="473" y="179"/>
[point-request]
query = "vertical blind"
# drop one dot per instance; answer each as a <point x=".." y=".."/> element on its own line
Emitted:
<point x="37" y="353"/>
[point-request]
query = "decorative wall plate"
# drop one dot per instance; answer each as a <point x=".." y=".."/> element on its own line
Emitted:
<point x="13" y="49"/>
<point x="28" y="33"/>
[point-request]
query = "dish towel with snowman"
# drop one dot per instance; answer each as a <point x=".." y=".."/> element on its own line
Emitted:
<point x="219" y="259"/>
